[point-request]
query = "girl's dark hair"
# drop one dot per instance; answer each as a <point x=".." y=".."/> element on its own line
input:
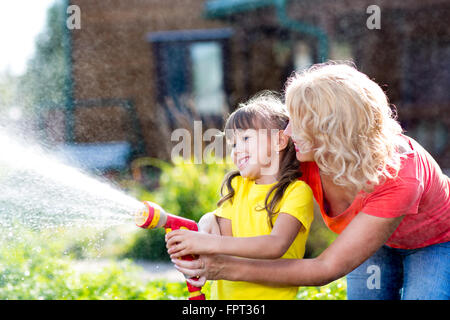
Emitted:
<point x="264" y="111"/>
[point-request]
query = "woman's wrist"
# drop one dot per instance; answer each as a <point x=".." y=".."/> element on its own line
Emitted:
<point x="230" y="268"/>
<point x="290" y="272"/>
<point x="218" y="266"/>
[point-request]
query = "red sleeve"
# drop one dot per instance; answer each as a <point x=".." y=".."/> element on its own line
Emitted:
<point x="394" y="198"/>
<point x="311" y="175"/>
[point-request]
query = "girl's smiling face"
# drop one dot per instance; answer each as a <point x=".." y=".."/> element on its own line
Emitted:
<point x="251" y="151"/>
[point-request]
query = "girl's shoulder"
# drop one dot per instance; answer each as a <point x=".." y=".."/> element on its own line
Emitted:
<point x="299" y="188"/>
<point x="237" y="182"/>
<point x="297" y="196"/>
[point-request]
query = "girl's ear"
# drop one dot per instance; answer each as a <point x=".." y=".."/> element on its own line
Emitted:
<point x="282" y="141"/>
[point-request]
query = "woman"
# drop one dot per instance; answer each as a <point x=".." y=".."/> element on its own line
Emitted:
<point x="378" y="189"/>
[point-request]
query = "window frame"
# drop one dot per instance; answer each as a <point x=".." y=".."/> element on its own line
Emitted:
<point x="184" y="38"/>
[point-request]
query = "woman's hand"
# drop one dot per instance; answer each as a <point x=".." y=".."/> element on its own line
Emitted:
<point x="208" y="225"/>
<point x="183" y="242"/>
<point x="206" y="267"/>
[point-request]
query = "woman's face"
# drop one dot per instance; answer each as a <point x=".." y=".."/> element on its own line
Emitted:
<point x="303" y="152"/>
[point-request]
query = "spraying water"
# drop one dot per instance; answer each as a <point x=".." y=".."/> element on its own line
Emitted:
<point x="39" y="191"/>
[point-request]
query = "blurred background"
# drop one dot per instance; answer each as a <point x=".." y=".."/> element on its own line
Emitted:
<point x="135" y="70"/>
<point x="105" y="84"/>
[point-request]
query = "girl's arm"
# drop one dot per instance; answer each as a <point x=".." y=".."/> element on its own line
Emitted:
<point x="209" y="224"/>
<point x="364" y="235"/>
<point x="224" y="226"/>
<point x="286" y="228"/>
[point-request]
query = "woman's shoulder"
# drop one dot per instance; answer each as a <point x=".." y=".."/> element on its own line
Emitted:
<point x="415" y="161"/>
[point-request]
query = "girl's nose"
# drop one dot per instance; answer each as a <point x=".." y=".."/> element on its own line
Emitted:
<point x="288" y="130"/>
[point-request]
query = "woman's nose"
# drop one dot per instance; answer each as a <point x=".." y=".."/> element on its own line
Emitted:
<point x="288" y="130"/>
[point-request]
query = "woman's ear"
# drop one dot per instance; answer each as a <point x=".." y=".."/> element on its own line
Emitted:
<point x="282" y="141"/>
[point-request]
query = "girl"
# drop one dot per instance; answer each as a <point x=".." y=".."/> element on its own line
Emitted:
<point x="266" y="212"/>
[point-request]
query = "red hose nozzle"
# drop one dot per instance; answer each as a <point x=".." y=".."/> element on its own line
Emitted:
<point x="150" y="216"/>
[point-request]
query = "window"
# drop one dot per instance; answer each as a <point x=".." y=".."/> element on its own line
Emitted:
<point x="341" y="51"/>
<point x="303" y="56"/>
<point x="191" y="64"/>
<point x="207" y="76"/>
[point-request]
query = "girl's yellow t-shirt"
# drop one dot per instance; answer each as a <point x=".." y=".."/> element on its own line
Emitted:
<point x="246" y="221"/>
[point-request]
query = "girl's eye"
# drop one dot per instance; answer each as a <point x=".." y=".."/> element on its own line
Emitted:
<point x="245" y="138"/>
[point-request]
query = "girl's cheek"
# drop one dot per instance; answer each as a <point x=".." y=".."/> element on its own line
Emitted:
<point x="233" y="156"/>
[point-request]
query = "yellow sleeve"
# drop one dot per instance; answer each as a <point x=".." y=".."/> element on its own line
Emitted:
<point x="298" y="202"/>
<point x="226" y="209"/>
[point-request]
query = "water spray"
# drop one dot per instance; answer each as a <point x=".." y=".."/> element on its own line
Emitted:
<point x="153" y="216"/>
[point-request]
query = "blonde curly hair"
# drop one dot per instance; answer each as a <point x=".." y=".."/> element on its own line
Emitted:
<point x="345" y="118"/>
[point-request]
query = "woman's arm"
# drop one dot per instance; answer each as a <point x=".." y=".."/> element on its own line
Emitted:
<point x="286" y="228"/>
<point x="360" y="239"/>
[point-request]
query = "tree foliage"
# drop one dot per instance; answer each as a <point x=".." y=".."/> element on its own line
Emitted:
<point x="43" y="83"/>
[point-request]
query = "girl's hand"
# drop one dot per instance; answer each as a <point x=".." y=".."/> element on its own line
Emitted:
<point x="183" y="242"/>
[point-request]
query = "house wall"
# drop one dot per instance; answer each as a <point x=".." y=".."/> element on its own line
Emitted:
<point x="112" y="58"/>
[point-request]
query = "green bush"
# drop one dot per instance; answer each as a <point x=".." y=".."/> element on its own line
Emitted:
<point x="191" y="190"/>
<point x="336" y="290"/>
<point x="148" y="245"/>
<point x="319" y="238"/>
<point x="34" y="268"/>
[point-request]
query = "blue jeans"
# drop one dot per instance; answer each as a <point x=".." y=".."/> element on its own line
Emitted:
<point x="394" y="274"/>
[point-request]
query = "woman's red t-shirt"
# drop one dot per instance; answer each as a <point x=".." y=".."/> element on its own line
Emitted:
<point x="421" y="193"/>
